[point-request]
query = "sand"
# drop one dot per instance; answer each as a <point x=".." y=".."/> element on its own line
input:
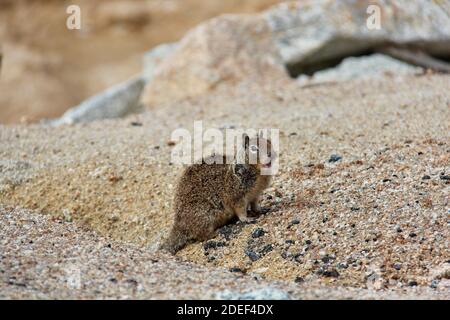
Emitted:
<point x="373" y="224"/>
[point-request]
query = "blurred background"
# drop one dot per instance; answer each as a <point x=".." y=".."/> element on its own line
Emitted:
<point x="47" y="69"/>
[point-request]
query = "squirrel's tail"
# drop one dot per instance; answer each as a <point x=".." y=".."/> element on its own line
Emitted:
<point x="177" y="240"/>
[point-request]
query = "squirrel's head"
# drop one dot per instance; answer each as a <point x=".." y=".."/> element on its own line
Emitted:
<point x="257" y="151"/>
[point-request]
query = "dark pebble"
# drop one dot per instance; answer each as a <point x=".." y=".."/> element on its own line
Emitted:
<point x="308" y="242"/>
<point x="334" y="158"/>
<point x="299" y="280"/>
<point x="326" y="259"/>
<point x="289" y="242"/>
<point x="136" y="124"/>
<point x="295" y="221"/>
<point x="267" y="248"/>
<point x="412" y="283"/>
<point x="397" y="266"/>
<point x="211" y="244"/>
<point x="426" y="177"/>
<point x="258" y="232"/>
<point x="238" y="270"/>
<point x="434" y="284"/>
<point x="252" y="255"/>
<point x="386" y="180"/>
<point x="354" y="208"/>
<point x="446" y="177"/>
<point x="412" y="235"/>
<point x="328" y="273"/>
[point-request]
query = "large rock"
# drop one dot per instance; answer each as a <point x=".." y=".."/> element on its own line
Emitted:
<point x="312" y="32"/>
<point x="115" y="102"/>
<point x="374" y="65"/>
<point x="304" y="36"/>
<point x="223" y="50"/>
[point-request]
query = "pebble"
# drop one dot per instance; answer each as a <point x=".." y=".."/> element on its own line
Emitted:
<point x="299" y="280"/>
<point x="334" y="158"/>
<point x="426" y="177"/>
<point x="252" y="255"/>
<point x="238" y="270"/>
<point x="332" y="273"/>
<point x="211" y="244"/>
<point x="412" y="283"/>
<point x="258" y="232"/>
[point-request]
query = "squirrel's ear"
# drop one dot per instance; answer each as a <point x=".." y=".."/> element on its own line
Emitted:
<point x="245" y="140"/>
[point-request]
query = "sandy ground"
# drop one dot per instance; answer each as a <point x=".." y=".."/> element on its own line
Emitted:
<point x="375" y="221"/>
<point x="48" y="68"/>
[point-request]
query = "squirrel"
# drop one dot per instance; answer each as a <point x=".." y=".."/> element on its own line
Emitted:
<point x="209" y="195"/>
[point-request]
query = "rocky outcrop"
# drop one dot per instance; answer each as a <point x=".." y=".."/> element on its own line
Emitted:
<point x="307" y="33"/>
<point x="115" y="102"/>
<point x="375" y="65"/>
<point x="302" y="36"/>
<point x="223" y="50"/>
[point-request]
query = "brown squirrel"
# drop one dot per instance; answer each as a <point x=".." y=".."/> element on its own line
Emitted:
<point x="208" y="196"/>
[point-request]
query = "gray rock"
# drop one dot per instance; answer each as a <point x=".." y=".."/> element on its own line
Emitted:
<point x="307" y="32"/>
<point x="262" y="293"/>
<point x="361" y="67"/>
<point x="115" y="102"/>
<point x="153" y="58"/>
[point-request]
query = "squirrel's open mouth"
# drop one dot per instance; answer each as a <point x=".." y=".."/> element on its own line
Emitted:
<point x="266" y="165"/>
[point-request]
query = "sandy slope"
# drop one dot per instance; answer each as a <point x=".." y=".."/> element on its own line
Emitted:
<point x="375" y="219"/>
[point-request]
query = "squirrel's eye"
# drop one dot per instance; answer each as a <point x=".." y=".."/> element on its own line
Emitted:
<point x="253" y="148"/>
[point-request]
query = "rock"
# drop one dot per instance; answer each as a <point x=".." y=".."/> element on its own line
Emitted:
<point x="211" y="244"/>
<point x="426" y="177"/>
<point x="308" y="34"/>
<point x="115" y="102"/>
<point x="252" y="255"/>
<point x="153" y="58"/>
<point x="258" y="232"/>
<point x="361" y="67"/>
<point x="263" y="293"/>
<point x="334" y="158"/>
<point x="226" y="49"/>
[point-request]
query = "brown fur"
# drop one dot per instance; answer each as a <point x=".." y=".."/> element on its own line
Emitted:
<point x="209" y="196"/>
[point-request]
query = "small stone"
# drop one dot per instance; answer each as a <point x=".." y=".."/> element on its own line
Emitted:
<point x="412" y="235"/>
<point x="211" y="244"/>
<point x="171" y="143"/>
<point x="434" y="283"/>
<point x="426" y="177"/>
<point x="267" y="248"/>
<point x="136" y="124"/>
<point x="445" y="177"/>
<point x="332" y="273"/>
<point x="252" y="255"/>
<point x="334" y="158"/>
<point x="237" y="270"/>
<point x="412" y="283"/>
<point x="299" y="280"/>
<point x="397" y="266"/>
<point x="293" y="222"/>
<point x="290" y="241"/>
<point x="308" y="242"/>
<point x="258" y="232"/>
<point x="354" y="208"/>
